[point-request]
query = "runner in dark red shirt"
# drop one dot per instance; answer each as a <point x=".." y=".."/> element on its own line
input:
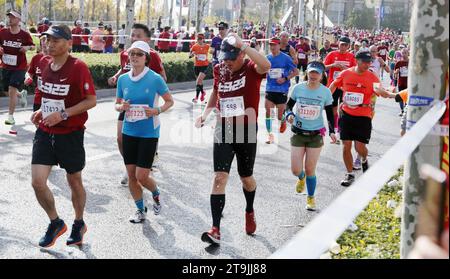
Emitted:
<point x="37" y="64"/>
<point x="67" y="94"/>
<point x="14" y="43"/>
<point x="236" y="96"/>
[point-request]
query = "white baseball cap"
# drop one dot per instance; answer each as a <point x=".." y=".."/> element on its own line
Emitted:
<point x="14" y="14"/>
<point x="140" y="45"/>
<point x="78" y="22"/>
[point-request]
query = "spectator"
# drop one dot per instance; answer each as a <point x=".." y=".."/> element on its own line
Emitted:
<point x="85" y="38"/>
<point x="76" y="37"/>
<point x="164" y="46"/>
<point x="122" y="38"/>
<point x="173" y="44"/>
<point x="98" y="42"/>
<point x="109" y="40"/>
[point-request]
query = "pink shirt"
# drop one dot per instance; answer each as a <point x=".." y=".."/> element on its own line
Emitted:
<point x="97" y="42"/>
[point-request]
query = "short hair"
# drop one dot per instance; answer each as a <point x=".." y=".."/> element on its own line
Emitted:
<point x="123" y="25"/>
<point x="143" y="27"/>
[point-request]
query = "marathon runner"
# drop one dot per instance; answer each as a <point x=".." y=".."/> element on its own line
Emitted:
<point x="355" y="123"/>
<point x="200" y="51"/>
<point x="217" y="42"/>
<point x="137" y="96"/>
<point x="286" y="48"/>
<point x="67" y="94"/>
<point x="401" y="72"/>
<point x="337" y="61"/>
<point x="303" y="50"/>
<point x="14" y="43"/>
<point x="236" y="94"/>
<point x="277" y="87"/>
<point x="37" y="64"/>
<point x="139" y="32"/>
<point x="310" y="98"/>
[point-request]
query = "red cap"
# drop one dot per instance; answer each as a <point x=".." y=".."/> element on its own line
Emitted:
<point x="274" y="41"/>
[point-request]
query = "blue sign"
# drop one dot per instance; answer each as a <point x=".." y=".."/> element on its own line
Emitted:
<point x="420" y="101"/>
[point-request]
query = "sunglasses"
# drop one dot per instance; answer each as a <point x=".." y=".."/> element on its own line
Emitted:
<point x="136" y="53"/>
<point x="221" y="28"/>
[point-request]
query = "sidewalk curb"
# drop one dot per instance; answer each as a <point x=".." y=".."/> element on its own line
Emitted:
<point x="175" y="88"/>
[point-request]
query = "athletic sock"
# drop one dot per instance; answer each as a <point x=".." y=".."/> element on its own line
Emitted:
<point x="311" y="182"/>
<point x="269" y="125"/>
<point x="217" y="205"/>
<point x="249" y="197"/>
<point x="140" y="204"/>
<point x="156" y="194"/>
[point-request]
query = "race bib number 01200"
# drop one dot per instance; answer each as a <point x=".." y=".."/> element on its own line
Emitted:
<point x="136" y="113"/>
<point x="308" y="112"/>
<point x="353" y="99"/>
<point x="50" y="106"/>
<point x="231" y="107"/>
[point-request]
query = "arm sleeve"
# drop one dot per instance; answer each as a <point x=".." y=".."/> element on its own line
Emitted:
<point x="330" y="118"/>
<point x="290" y="105"/>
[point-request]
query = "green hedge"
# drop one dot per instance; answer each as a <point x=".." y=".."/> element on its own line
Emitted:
<point x="178" y="67"/>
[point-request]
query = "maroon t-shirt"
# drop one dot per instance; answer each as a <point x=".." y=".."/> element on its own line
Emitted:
<point x="302" y="53"/>
<point x="77" y="39"/>
<point x="383" y="52"/>
<point x="164" y="45"/>
<point x="72" y="83"/>
<point x="244" y="83"/>
<point x="37" y="64"/>
<point x="42" y="28"/>
<point x="12" y="58"/>
<point x="403" y="73"/>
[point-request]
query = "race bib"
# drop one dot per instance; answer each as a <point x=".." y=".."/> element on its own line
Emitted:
<point x="301" y="56"/>
<point x="50" y="106"/>
<point x="404" y="71"/>
<point x="231" y="107"/>
<point x="336" y="74"/>
<point x="10" y="59"/>
<point x="136" y="113"/>
<point x="382" y="52"/>
<point x="275" y="73"/>
<point x="353" y="99"/>
<point x="201" y="57"/>
<point x="308" y="112"/>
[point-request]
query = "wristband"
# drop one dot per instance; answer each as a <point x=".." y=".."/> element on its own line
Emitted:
<point x="244" y="47"/>
<point x="159" y="110"/>
<point x="289" y="114"/>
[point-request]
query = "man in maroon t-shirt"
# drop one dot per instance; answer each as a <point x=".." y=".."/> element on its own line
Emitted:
<point x="37" y="64"/>
<point x="401" y="72"/>
<point x="236" y="96"/>
<point x="14" y="43"/>
<point x="67" y="94"/>
<point x="77" y="32"/>
<point x="164" y="45"/>
<point x="303" y="50"/>
<point x="139" y="32"/>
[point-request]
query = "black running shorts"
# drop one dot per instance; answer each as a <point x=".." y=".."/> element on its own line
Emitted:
<point x="277" y="98"/>
<point x="355" y="128"/>
<point x="139" y="151"/>
<point x="67" y="150"/>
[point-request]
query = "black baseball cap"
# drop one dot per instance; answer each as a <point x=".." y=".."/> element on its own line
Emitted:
<point x="222" y="25"/>
<point x="59" y="31"/>
<point x="344" y="39"/>
<point x="364" y="56"/>
<point x="227" y="51"/>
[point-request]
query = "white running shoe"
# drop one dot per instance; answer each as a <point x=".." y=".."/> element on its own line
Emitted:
<point x="124" y="181"/>
<point x="139" y="216"/>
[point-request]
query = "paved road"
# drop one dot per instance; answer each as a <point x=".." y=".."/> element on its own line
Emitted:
<point x="184" y="174"/>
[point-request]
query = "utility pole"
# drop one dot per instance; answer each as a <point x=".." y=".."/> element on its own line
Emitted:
<point x="269" y="26"/>
<point x="426" y="79"/>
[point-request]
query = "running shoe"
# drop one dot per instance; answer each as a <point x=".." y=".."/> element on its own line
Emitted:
<point x="78" y="231"/>
<point x="139" y="216"/>
<point x="283" y="127"/>
<point x="270" y="139"/>
<point x="212" y="236"/>
<point x="157" y="206"/>
<point x="301" y="185"/>
<point x="10" y="121"/>
<point x="195" y="100"/>
<point x="365" y="166"/>
<point x="250" y="223"/>
<point x="53" y="232"/>
<point x="124" y="181"/>
<point x="23" y="98"/>
<point x="400" y="114"/>
<point x="357" y="164"/>
<point x="311" y="203"/>
<point x="348" y="180"/>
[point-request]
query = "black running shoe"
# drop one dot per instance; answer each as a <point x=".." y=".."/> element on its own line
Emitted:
<point x="365" y="166"/>
<point x="78" y="231"/>
<point x="54" y="231"/>
<point x="348" y="180"/>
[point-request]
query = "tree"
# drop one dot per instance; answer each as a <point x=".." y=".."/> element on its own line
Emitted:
<point x="130" y="19"/>
<point x="242" y="16"/>
<point x="81" y="14"/>
<point x="117" y="15"/>
<point x="363" y="19"/>
<point x="426" y="77"/>
<point x="396" y="20"/>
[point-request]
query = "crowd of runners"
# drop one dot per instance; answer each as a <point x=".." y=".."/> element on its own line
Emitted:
<point x="343" y="78"/>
